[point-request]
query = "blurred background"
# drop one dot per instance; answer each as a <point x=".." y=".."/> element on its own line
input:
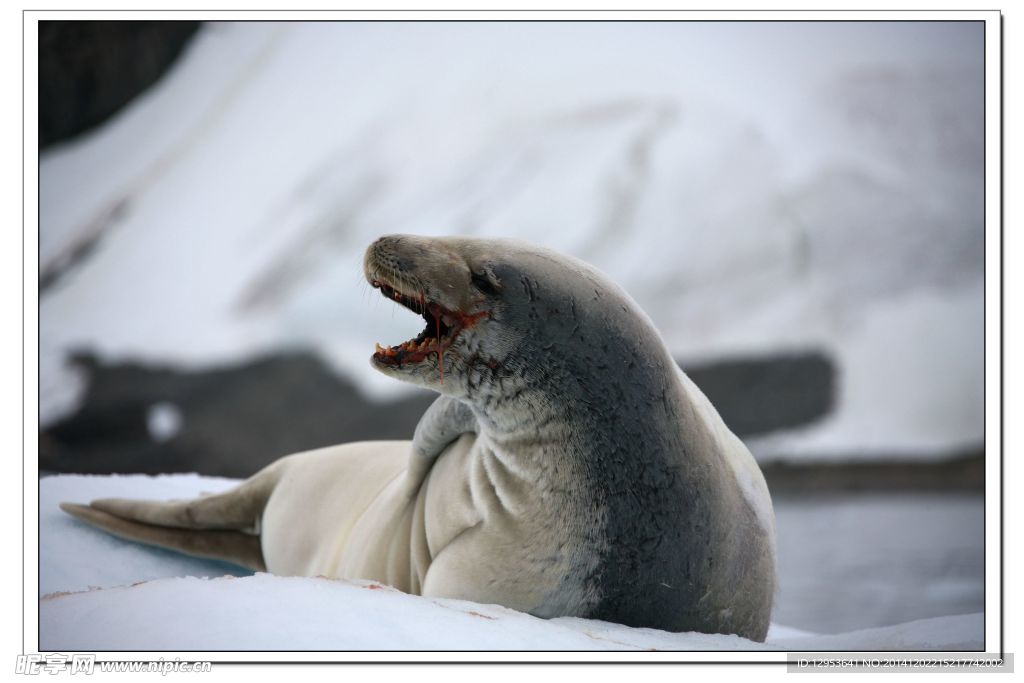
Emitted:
<point x="797" y="206"/>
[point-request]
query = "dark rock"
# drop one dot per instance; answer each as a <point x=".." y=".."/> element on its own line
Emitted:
<point x="234" y="420"/>
<point x="761" y="395"/>
<point x="88" y="70"/>
<point x="884" y="472"/>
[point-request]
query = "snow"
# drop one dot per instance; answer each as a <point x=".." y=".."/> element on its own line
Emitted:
<point x="163" y="421"/>
<point x="887" y="358"/>
<point x="100" y="593"/>
<point x="819" y="188"/>
<point x="265" y="612"/>
<point x="74" y="558"/>
<point x="308" y="613"/>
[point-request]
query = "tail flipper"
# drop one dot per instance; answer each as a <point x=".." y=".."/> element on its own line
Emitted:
<point x="224" y="526"/>
<point x="231" y="546"/>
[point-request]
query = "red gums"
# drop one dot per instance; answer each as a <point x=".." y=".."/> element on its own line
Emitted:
<point x="465" y="321"/>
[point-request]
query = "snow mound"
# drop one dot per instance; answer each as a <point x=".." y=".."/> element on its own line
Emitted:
<point x="265" y="612"/>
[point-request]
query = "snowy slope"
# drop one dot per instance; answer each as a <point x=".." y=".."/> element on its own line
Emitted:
<point x="100" y="593"/>
<point x="754" y="187"/>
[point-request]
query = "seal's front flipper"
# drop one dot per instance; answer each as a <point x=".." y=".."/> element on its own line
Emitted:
<point x="444" y="422"/>
<point x="235" y="547"/>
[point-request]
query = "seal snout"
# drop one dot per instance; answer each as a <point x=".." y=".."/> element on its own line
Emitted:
<point x="383" y="257"/>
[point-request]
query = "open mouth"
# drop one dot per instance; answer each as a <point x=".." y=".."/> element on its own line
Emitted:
<point x="441" y="330"/>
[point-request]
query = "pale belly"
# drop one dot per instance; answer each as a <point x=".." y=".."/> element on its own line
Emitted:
<point x="346" y="512"/>
<point x="321" y="500"/>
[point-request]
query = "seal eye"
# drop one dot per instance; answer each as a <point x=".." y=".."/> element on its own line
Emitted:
<point x="483" y="283"/>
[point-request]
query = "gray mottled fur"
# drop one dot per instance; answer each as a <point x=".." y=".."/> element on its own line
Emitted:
<point x="444" y="421"/>
<point x="569" y="379"/>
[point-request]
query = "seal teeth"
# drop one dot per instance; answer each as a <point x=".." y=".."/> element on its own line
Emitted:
<point x="442" y="326"/>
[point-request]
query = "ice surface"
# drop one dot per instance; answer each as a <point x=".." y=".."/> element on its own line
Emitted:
<point x="265" y="612"/>
<point x="73" y="557"/>
<point x="101" y="593"/>
<point x="851" y="561"/>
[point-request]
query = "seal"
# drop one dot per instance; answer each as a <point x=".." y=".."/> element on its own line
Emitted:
<point x="569" y="467"/>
